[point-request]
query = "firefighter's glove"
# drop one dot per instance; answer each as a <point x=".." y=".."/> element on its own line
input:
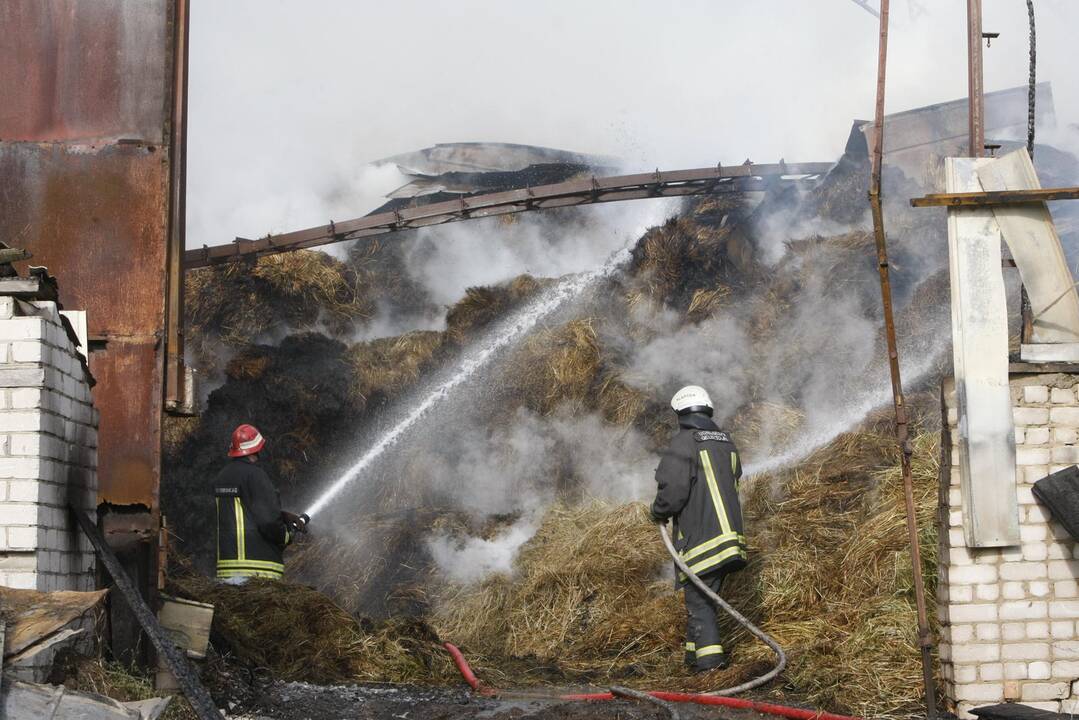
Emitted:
<point x="657" y="518"/>
<point x="296" y="523"/>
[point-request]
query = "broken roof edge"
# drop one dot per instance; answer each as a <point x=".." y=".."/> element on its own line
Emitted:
<point x="38" y="296"/>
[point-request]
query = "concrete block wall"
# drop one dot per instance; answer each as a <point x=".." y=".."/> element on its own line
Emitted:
<point x="1009" y="615"/>
<point x="48" y="451"/>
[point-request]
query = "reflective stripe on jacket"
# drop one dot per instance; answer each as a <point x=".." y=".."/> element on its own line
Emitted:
<point x="251" y="535"/>
<point x="697" y="482"/>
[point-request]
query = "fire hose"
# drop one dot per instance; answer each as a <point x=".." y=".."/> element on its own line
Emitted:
<point x="781" y="657"/>
<point x="716" y="697"/>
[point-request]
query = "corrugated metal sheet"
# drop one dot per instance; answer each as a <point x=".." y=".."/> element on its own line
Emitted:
<point x="85" y="185"/>
<point x="97" y="217"/>
<point x="84" y="69"/>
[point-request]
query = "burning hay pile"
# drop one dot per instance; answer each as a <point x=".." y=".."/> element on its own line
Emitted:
<point x="591" y="596"/>
<point x="538" y="451"/>
<point x="296" y="633"/>
<point x="238" y="304"/>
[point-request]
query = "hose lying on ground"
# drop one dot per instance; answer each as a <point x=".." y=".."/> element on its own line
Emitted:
<point x="622" y="692"/>
<point x="716" y="697"/>
<point x="675" y="697"/>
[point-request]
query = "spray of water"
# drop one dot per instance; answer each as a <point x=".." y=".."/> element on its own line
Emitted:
<point x="837" y="423"/>
<point x="506" y="332"/>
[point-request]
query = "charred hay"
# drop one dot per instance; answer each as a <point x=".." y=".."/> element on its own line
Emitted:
<point x="238" y="304"/>
<point x="298" y="634"/>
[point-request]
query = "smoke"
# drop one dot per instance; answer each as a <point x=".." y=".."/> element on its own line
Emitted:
<point x="450" y="258"/>
<point x="467" y="560"/>
<point x="310" y="196"/>
<point x="518" y="470"/>
<point x="714" y="352"/>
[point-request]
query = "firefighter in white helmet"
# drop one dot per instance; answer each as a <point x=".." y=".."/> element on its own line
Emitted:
<point x="698" y="488"/>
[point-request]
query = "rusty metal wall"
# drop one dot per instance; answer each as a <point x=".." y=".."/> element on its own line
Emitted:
<point x="85" y="177"/>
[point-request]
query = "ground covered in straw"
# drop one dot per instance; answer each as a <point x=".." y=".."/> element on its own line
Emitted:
<point x="591" y="600"/>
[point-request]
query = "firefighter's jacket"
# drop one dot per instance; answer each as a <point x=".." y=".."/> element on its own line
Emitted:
<point x="698" y="487"/>
<point x="251" y="534"/>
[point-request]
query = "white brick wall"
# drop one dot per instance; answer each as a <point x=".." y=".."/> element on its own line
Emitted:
<point x="1008" y="615"/>
<point x="48" y="451"/>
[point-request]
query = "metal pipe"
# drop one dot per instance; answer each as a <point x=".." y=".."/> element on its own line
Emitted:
<point x="174" y="303"/>
<point x="975" y="91"/>
<point x="902" y="421"/>
<point x="1033" y="80"/>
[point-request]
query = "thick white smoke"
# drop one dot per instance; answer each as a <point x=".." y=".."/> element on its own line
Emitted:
<point x="518" y="471"/>
<point x="447" y="259"/>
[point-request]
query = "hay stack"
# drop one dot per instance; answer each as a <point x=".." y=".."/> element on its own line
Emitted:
<point x="587" y="600"/>
<point x="299" y="634"/>
<point x="236" y="303"/>
<point x="829" y="577"/>
<point x="387" y="366"/>
<point x="555" y="365"/>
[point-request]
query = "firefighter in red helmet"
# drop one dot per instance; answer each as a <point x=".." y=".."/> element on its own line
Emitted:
<point x="252" y="529"/>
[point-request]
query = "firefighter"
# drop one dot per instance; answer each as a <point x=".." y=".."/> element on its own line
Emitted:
<point x="698" y="487"/>
<point x="252" y="529"/>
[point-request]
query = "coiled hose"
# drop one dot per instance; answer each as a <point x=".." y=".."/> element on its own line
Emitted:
<point x="781" y="657"/>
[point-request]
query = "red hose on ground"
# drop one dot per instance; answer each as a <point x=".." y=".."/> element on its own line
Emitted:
<point x="466" y="671"/>
<point x="766" y="708"/>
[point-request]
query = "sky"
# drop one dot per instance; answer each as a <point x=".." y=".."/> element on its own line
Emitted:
<point x="290" y="100"/>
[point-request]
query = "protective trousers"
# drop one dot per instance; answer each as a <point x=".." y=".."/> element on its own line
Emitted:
<point x="703" y="649"/>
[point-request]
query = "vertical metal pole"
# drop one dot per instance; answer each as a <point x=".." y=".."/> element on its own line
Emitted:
<point x="902" y="421"/>
<point x="174" y="301"/>
<point x="975" y="91"/>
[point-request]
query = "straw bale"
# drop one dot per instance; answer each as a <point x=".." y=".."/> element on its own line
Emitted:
<point x="483" y="305"/>
<point x="706" y="302"/>
<point x="175" y="430"/>
<point x="555" y="365"/>
<point x="386" y="366"/>
<point x="620" y="403"/>
<point x="249" y="364"/>
<point x="672" y="262"/>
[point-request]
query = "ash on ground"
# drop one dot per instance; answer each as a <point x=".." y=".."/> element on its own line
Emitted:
<point x="303" y="701"/>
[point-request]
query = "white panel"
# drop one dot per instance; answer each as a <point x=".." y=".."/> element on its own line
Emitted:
<point x="1028" y="229"/>
<point x="980" y="346"/>
<point x="1050" y="352"/>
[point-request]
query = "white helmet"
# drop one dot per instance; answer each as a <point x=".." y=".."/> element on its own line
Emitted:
<point x="691" y="399"/>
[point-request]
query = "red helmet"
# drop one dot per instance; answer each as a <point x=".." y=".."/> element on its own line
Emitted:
<point x="246" y="440"/>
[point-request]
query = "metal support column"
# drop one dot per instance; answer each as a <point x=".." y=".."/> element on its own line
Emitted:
<point x="975" y="91"/>
<point x="902" y="420"/>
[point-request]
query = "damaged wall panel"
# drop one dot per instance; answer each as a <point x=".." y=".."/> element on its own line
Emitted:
<point x="97" y="218"/>
<point x="85" y="176"/>
<point x="76" y="70"/>
<point x="980" y="347"/>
